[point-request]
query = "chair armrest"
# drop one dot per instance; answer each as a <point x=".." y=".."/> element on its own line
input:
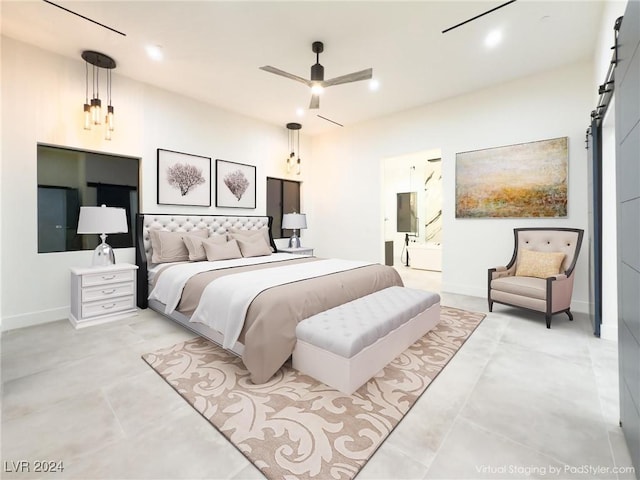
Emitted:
<point x="499" y="272"/>
<point x="559" y="276"/>
<point x="559" y="292"/>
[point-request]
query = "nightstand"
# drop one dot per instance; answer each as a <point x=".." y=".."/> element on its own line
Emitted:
<point x="299" y="251"/>
<point x="102" y="294"/>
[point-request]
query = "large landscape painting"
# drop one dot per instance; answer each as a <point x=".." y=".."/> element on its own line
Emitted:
<point x="519" y="181"/>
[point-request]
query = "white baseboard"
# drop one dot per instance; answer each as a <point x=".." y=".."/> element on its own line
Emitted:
<point x="33" y="318"/>
<point x="609" y="331"/>
<point x="469" y="290"/>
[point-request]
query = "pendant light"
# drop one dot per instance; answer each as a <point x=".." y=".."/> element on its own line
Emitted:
<point x="293" y="160"/>
<point x="87" y="107"/>
<point x="93" y="110"/>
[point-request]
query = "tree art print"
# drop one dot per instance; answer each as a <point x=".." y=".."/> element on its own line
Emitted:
<point x="184" y="177"/>
<point x="237" y="183"/>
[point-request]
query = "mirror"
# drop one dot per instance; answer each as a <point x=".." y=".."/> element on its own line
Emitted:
<point x="407" y="220"/>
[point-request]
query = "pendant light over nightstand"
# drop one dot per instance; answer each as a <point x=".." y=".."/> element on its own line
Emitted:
<point x="293" y="160"/>
<point x="93" y="110"/>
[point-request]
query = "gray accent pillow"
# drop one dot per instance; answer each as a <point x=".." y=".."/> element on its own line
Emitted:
<point x="222" y="251"/>
<point x="170" y="246"/>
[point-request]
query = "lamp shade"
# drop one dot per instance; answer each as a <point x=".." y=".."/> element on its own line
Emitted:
<point x="102" y="220"/>
<point x="294" y="221"/>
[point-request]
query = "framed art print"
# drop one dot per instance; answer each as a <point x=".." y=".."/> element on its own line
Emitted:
<point x="526" y="180"/>
<point x="183" y="179"/>
<point x="235" y="185"/>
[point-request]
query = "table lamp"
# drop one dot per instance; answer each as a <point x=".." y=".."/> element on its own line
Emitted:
<point x="102" y="220"/>
<point x="294" y="221"/>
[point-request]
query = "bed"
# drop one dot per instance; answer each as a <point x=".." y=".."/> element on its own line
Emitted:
<point x="249" y="305"/>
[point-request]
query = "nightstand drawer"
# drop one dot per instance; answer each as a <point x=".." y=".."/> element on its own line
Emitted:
<point x="103" y="278"/>
<point x="107" y="306"/>
<point x="107" y="291"/>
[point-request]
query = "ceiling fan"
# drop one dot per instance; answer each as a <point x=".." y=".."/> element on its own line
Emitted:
<point x="317" y="82"/>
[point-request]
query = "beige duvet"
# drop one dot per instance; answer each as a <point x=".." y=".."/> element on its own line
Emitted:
<point x="268" y="334"/>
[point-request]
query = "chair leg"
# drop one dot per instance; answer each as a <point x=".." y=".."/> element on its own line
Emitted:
<point x="490" y="305"/>
<point x="570" y="315"/>
<point x="548" y="317"/>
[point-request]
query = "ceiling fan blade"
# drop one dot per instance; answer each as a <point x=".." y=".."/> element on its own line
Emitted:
<point x="282" y="73"/>
<point x="350" y="77"/>
<point x="315" y="102"/>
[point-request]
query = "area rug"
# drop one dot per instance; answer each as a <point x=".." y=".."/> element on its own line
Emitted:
<point x="294" y="427"/>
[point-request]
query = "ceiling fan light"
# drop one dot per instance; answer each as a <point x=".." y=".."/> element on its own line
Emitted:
<point x="317" y="89"/>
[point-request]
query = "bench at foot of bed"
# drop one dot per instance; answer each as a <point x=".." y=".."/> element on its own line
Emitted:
<point x="347" y="345"/>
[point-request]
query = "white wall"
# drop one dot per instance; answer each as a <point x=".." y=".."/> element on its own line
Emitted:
<point x="348" y="220"/>
<point x="42" y="96"/>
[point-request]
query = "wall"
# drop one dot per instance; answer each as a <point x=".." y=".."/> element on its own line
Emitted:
<point x="349" y="222"/>
<point x="42" y="97"/>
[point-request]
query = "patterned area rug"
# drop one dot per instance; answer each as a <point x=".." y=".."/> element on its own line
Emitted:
<point x="296" y="427"/>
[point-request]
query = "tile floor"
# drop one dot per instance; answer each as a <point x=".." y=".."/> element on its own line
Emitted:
<point x="517" y="401"/>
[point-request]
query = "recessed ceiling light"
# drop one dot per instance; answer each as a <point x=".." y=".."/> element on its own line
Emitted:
<point x="300" y="112"/>
<point x="374" y="85"/>
<point x="493" y="38"/>
<point x="155" y="52"/>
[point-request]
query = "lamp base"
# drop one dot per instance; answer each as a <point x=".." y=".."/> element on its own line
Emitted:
<point x="103" y="256"/>
<point x="294" y="241"/>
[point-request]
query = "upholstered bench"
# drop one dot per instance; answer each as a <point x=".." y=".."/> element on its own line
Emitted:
<point x="347" y="345"/>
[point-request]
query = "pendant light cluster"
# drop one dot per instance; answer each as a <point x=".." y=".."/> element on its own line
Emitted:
<point x="93" y="110"/>
<point x="293" y="159"/>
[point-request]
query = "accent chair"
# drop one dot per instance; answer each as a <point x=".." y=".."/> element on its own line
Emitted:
<point x="540" y="274"/>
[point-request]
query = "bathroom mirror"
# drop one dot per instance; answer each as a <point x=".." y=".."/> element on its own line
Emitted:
<point x="406" y="217"/>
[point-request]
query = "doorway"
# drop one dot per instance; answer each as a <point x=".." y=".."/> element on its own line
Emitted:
<point x="415" y="245"/>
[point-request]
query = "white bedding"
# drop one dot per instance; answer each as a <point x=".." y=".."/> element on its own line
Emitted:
<point x="168" y="288"/>
<point x="225" y="301"/>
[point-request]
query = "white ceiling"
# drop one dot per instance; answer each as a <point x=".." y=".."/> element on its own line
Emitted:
<point x="212" y="49"/>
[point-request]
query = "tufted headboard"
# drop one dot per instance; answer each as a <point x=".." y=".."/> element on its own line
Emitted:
<point x="216" y="224"/>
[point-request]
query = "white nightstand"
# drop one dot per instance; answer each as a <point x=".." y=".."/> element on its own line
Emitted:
<point x="299" y="251"/>
<point x="102" y="294"/>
